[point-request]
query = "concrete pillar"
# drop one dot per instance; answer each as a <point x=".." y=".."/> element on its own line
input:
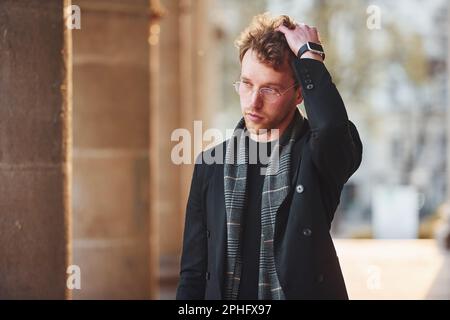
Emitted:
<point x="156" y="13"/>
<point x="111" y="150"/>
<point x="35" y="139"/>
<point x="186" y="94"/>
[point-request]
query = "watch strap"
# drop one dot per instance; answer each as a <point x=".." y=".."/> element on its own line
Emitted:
<point x="307" y="47"/>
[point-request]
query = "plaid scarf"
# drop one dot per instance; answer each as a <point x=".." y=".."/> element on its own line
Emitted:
<point x="275" y="189"/>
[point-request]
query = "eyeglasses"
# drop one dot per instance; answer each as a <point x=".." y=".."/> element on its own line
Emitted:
<point x="244" y="89"/>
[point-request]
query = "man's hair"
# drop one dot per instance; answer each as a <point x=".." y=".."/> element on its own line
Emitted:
<point x="269" y="45"/>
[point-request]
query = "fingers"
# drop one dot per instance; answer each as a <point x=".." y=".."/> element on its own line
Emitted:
<point x="304" y="25"/>
<point x="303" y="30"/>
<point x="312" y="30"/>
<point x="282" y="29"/>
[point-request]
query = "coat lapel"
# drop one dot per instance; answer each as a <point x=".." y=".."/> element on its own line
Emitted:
<point x="283" y="210"/>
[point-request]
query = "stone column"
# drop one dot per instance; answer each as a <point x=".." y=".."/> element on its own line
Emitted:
<point x="111" y="150"/>
<point x="186" y="93"/>
<point x="35" y="138"/>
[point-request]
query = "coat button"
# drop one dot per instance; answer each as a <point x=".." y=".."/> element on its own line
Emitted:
<point x="310" y="86"/>
<point x="208" y="234"/>
<point x="307" y="232"/>
<point x="207" y="276"/>
<point x="299" y="188"/>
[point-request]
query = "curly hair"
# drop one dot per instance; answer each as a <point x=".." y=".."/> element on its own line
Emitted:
<point x="269" y="45"/>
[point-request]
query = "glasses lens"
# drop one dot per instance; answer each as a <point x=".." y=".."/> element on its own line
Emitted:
<point x="268" y="94"/>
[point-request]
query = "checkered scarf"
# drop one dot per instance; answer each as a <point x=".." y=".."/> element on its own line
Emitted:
<point x="275" y="189"/>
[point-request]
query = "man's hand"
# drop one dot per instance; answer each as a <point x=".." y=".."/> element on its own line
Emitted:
<point x="297" y="37"/>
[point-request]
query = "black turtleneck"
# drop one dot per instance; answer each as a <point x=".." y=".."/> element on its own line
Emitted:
<point x="251" y="233"/>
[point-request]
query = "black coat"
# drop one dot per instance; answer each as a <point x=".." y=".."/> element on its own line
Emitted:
<point x="327" y="153"/>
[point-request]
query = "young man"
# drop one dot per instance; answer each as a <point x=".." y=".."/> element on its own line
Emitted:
<point x="266" y="236"/>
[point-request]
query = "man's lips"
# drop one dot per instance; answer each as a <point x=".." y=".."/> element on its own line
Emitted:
<point x="254" y="116"/>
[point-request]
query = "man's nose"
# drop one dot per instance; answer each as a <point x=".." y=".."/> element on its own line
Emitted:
<point x="256" y="100"/>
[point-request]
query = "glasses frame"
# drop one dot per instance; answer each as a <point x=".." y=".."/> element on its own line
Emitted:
<point x="237" y="84"/>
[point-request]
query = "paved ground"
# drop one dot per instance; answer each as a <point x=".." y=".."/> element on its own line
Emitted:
<point x="394" y="269"/>
<point x="386" y="269"/>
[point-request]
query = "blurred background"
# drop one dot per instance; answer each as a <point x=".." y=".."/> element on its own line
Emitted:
<point x="87" y="117"/>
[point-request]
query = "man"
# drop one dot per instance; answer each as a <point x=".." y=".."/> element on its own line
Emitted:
<point x="254" y="236"/>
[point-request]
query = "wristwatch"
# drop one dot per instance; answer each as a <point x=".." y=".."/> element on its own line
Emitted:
<point x="313" y="47"/>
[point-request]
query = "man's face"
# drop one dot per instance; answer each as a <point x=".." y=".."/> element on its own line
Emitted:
<point x="261" y="114"/>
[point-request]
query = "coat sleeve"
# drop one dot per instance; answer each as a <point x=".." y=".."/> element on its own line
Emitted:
<point x="194" y="256"/>
<point x="335" y="143"/>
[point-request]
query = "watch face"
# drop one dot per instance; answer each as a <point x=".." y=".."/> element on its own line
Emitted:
<point x="315" y="46"/>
